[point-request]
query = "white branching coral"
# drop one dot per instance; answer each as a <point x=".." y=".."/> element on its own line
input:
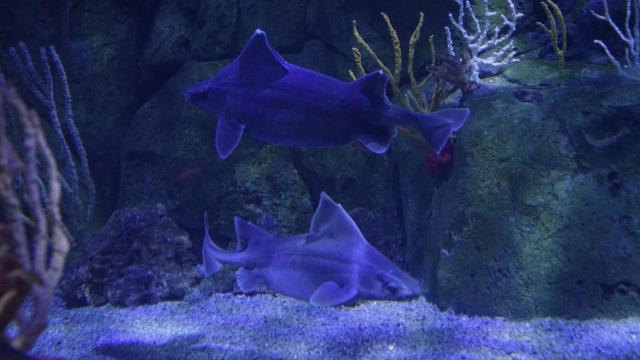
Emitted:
<point x="484" y="42"/>
<point x="630" y="35"/>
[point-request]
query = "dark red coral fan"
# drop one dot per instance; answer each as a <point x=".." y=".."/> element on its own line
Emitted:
<point x="439" y="164"/>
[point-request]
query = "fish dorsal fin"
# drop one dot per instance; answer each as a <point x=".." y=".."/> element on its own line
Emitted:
<point x="331" y="221"/>
<point x="373" y="86"/>
<point x="259" y="63"/>
<point x="249" y="235"/>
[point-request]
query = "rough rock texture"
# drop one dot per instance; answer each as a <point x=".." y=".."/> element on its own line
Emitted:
<point x="168" y="136"/>
<point x="319" y="56"/>
<point x="142" y="258"/>
<point x="99" y="58"/>
<point x="98" y="42"/>
<point x="541" y="214"/>
<point x="283" y="20"/>
<point x="266" y="327"/>
<point x="209" y="30"/>
<point x="414" y="191"/>
<point x="183" y="30"/>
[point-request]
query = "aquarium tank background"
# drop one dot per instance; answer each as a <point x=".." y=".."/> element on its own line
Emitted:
<point x="451" y="179"/>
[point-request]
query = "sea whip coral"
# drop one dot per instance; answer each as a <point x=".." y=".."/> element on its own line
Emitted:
<point x="630" y="35"/>
<point x="65" y="140"/>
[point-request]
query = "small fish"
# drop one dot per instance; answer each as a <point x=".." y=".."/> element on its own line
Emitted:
<point x="330" y="265"/>
<point x="263" y="96"/>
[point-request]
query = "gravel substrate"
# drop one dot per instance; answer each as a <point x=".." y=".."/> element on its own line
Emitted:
<point x="268" y="327"/>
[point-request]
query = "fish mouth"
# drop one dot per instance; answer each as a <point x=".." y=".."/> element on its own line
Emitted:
<point x="407" y="294"/>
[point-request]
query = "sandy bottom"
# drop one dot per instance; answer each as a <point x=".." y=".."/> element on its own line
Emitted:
<point x="268" y="327"/>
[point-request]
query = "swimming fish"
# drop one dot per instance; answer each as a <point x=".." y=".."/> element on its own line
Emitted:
<point x="263" y="96"/>
<point x="330" y="265"/>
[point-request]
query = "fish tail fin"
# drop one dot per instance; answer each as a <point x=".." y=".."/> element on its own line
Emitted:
<point x="210" y="264"/>
<point x="437" y="126"/>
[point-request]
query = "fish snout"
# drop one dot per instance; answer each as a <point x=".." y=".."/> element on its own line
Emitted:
<point x="408" y="293"/>
<point x="400" y="285"/>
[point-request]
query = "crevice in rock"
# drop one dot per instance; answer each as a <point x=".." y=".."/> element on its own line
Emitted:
<point x="621" y="288"/>
<point x="151" y="78"/>
<point x="307" y="175"/>
<point x="397" y="191"/>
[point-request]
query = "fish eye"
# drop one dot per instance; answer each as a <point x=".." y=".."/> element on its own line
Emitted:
<point x="390" y="284"/>
<point x="392" y="287"/>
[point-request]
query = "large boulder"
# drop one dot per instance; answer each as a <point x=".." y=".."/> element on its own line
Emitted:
<point x="541" y="215"/>
<point x="100" y="61"/>
<point x="217" y="29"/>
<point x="183" y="30"/>
<point x="101" y="66"/>
<point x="142" y="257"/>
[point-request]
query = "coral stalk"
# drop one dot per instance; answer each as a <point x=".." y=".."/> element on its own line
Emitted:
<point x="413" y="99"/>
<point x="559" y="46"/>
<point x="630" y="35"/>
<point x="35" y="223"/>
<point x="69" y="148"/>
<point x="486" y="44"/>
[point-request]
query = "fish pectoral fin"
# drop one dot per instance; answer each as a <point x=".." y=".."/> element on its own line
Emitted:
<point x="378" y="139"/>
<point x="331" y="294"/>
<point x="248" y="281"/>
<point x="228" y="135"/>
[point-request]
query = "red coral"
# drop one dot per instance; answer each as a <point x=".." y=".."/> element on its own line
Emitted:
<point x="439" y="164"/>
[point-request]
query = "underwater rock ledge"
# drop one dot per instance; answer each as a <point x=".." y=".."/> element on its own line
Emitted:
<point x="268" y="327"/>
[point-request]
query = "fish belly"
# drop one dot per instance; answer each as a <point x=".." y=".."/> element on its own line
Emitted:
<point x="301" y="278"/>
<point x="291" y="116"/>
